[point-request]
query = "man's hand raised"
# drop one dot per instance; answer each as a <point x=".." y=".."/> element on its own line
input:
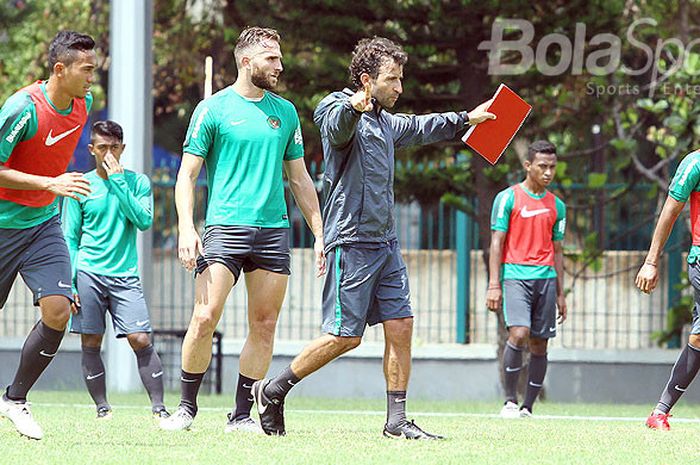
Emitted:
<point x="362" y="99"/>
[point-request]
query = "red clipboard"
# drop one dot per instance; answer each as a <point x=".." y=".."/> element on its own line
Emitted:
<point x="491" y="138"/>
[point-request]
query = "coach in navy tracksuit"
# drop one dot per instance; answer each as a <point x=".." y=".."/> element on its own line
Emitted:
<point x="367" y="281"/>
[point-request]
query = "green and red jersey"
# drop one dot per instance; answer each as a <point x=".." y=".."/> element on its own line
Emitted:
<point x="686" y="186"/>
<point x="36" y="138"/>
<point x="532" y="224"/>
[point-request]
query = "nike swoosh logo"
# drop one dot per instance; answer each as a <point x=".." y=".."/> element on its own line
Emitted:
<point x="553" y="328"/>
<point x="262" y="409"/>
<point x="51" y="139"/>
<point x="236" y="123"/>
<point x="398" y="401"/>
<point x="290" y="383"/>
<point x="525" y="213"/>
<point x="142" y="323"/>
<point x="534" y="384"/>
<point x="678" y="388"/>
<point x="247" y="386"/>
<point x="89" y="377"/>
<point x="156" y="375"/>
<point x="47" y="355"/>
<point x="187" y="380"/>
<point x="64" y="285"/>
<point x="511" y="370"/>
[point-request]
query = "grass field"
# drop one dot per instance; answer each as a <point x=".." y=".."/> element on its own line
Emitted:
<point x="340" y="432"/>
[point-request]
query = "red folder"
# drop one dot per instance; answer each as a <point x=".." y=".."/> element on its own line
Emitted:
<point x="491" y="137"/>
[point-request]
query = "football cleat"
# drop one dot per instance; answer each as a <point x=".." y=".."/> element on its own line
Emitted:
<point x="178" y="421"/>
<point x="161" y="413"/>
<point x="244" y="425"/>
<point x="525" y="412"/>
<point x="658" y="420"/>
<point x="104" y="413"/>
<point x="407" y="430"/>
<point x="20" y="415"/>
<point x="271" y="411"/>
<point x="510" y="410"/>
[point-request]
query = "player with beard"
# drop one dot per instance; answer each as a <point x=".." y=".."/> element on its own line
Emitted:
<point x="246" y="135"/>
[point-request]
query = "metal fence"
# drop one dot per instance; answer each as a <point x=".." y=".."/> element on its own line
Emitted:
<point x="447" y="274"/>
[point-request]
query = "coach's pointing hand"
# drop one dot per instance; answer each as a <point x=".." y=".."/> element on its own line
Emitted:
<point x="480" y="113"/>
<point x="362" y="99"/>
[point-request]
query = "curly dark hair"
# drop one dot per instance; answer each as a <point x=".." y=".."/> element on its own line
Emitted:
<point x="370" y="54"/>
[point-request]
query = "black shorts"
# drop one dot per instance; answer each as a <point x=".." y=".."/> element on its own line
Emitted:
<point x="40" y="255"/>
<point x="245" y="248"/>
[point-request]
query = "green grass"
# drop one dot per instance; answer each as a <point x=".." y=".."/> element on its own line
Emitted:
<point x="74" y="436"/>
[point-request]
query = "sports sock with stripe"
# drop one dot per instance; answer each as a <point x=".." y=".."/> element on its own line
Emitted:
<point x="244" y="397"/>
<point x="151" y="373"/>
<point x="39" y="349"/>
<point x="512" y="364"/>
<point x="189" y="387"/>
<point x="536" y="372"/>
<point x="94" y="375"/>
<point x="395" y="407"/>
<point x="682" y="375"/>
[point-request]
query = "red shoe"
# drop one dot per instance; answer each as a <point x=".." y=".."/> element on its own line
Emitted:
<point x="658" y="421"/>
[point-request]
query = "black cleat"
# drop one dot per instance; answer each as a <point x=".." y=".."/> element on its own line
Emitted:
<point x="407" y="430"/>
<point x="161" y="414"/>
<point x="271" y="411"/>
<point x="104" y="413"/>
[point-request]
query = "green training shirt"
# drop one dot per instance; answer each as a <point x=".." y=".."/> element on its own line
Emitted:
<point x="684" y="182"/>
<point x="500" y="221"/>
<point x="18" y="116"/>
<point x="243" y="143"/>
<point x="100" y="229"/>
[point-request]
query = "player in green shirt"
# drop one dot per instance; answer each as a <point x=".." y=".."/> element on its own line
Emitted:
<point x="526" y="272"/>
<point x="100" y="231"/>
<point x="246" y="136"/>
<point x="39" y="129"/>
<point x="684" y="187"/>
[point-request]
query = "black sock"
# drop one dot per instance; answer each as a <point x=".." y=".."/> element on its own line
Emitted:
<point x="682" y="375"/>
<point x="280" y="385"/>
<point x="512" y="364"/>
<point x="189" y="387"/>
<point x="244" y="397"/>
<point x="151" y="372"/>
<point x="536" y="372"/>
<point x="395" y="407"/>
<point x="39" y="349"/>
<point x="94" y="374"/>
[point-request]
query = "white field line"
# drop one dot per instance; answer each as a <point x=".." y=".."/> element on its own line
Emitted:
<point x="382" y="413"/>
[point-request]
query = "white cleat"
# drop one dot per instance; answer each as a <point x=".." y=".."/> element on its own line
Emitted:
<point x="179" y="421"/>
<point x="245" y="425"/>
<point x="19" y="414"/>
<point x="525" y="413"/>
<point x="510" y="410"/>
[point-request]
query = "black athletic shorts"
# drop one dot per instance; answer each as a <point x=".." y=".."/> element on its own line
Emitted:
<point x="245" y="248"/>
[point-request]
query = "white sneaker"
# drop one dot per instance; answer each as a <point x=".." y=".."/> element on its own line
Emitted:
<point x="178" y="421"/>
<point x="245" y="425"/>
<point x="510" y="410"/>
<point x="19" y="414"/>
<point x="525" y="413"/>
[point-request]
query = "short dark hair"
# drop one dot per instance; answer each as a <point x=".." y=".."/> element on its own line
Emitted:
<point x="540" y="146"/>
<point x="64" y="46"/>
<point x="370" y="54"/>
<point x="253" y="35"/>
<point x="106" y="129"/>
